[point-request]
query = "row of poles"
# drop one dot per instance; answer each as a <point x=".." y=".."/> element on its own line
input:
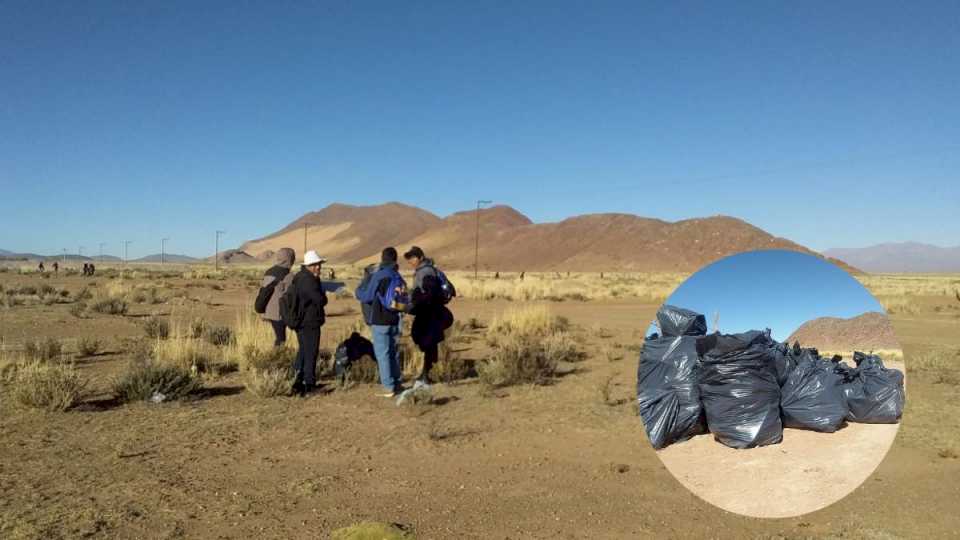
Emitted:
<point x="216" y="256"/>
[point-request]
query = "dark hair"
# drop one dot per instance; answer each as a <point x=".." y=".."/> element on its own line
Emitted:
<point x="388" y="255"/>
<point x="414" y="252"/>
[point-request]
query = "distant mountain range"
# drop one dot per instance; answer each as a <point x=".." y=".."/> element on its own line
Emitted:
<point x="510" y="241"/>
<point x="900" y="257"/>
<point x="169" y="257"/>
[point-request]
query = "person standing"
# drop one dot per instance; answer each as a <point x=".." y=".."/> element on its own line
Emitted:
<point x="311" y="299"/>
<point x="275" y="282"/>
<point x="384" y="321"/>
<point x="430" y="316"/>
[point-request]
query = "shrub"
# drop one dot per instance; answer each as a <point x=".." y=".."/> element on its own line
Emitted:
<point x="270" y="382"/>
<point x="450" y="365"/>
<point x="218" y="335"/>
<point x="88" y="346"/>
<point x="49" y="387"/>
<point x="256" y="359"/>
<point x="560" y="347"/>
<point x="363" y="370"/>
<point x="111" y="306"/>
<point x="46" y="289"/>
<point x="84" y="294"/>
<point x="197" y="327"/>
<point x="142" y="380"/>
<point x="78" y="310"/>
<point x="195" y="356"/>
<point x="43" y="351"/>
<point x="518" y="360"/>
<point x="27" y="290"/>
<point x="157" y="328"/>
<point x="529" y="322"/>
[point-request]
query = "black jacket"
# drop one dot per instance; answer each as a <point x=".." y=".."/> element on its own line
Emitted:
<point x="380" y="315"/>
<point x="431" y="317"/>
<point x="312" y="298"/>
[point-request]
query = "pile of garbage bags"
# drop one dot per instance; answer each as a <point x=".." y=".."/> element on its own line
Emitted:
<point x="745" y="388"/>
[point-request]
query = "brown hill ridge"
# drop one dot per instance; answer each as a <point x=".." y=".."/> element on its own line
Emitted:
<point x="866" y="332"/>
<point x="510" y="241"/>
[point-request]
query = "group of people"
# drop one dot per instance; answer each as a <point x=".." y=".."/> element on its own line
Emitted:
<point x="298" y="300"/>
<point x="88" y="268"/>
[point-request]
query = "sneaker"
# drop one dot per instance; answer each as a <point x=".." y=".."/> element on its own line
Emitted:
<point x="388" y="394"/>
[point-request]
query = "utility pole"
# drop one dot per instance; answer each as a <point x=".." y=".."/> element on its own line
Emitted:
<point x="216" y="253"/>
<point x="163" y="250"/>
<point x="304" y="237"/>
<point x="80" y="252"/>
<point x="476" y="249"/>
<point x="101" y="251"/>
<point x="64" y="257"/>
<point x="126" y="245"/>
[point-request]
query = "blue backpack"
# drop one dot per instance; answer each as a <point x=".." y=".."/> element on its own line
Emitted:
<point x="395" y="298"/>
<point x="447" y="290"/>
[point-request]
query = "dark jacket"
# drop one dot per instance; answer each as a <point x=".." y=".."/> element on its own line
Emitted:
<point x="431" y="317"/>
<point x="312" y="298"/>
<point x="380" y="315"/>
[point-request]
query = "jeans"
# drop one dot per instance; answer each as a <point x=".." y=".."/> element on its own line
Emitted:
<point x="305" y="365"/>
<point x="385" y="347"/>
<point x="280" y="333"/>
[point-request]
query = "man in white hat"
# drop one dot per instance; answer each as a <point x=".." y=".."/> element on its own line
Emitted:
<point x="312" y="300"/>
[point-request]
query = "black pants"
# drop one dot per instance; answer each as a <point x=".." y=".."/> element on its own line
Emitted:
<point x="305" y="366"/>
<point x="430" y="355"/>
<point x="280" y="331"/>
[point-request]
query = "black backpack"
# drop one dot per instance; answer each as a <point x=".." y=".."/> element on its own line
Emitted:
<point x="290" y="310"/>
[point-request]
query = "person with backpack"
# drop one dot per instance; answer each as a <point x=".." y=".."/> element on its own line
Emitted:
<point x="275" y="282"/>
<point x="382" y="295"/>
<point x="302" y="308"/>
<point x="431" y="292"/>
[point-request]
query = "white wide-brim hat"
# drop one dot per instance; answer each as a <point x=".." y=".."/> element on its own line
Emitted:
<point x="311" y="258"/>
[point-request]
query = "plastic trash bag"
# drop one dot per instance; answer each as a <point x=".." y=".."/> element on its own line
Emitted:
<point x="739" y="389"/>
<point x="813" y="396"/>
<point x="874" y="393"/>
<point x="667" y="391"/>
<point x="675" y="321"/>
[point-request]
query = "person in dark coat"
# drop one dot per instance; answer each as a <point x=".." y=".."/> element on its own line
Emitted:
<point x="430" y="317"/>
<point x="312" y="298"/>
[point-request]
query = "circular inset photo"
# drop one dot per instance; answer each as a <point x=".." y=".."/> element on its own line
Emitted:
<point x="771" y="383"/>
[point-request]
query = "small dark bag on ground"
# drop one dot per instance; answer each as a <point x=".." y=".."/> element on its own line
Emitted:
<point x="349" y="351"/>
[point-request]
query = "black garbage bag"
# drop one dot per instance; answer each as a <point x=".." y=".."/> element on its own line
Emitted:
<point x="675" y="321"/>
<point x="783" y="361"/>
<point x="349" y="351"/>
<point x="667" y="391"/>
<point x="813" y="396"/>
<point x="739" y="389"/>
<point x="874" y="393"/>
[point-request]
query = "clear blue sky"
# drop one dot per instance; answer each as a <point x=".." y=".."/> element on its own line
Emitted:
<point x="772" y="289"/>
<point x="832" y="124"/>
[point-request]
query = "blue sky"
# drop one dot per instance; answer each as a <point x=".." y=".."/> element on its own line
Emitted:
<point x="832" y="124"/>
<point x="772" y="289"/>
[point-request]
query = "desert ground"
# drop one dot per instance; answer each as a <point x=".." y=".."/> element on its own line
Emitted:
<point x="565" y="458"/>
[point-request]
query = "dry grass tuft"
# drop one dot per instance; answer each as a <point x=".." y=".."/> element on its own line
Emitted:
<point x="87" y="346"/>
<point x="50" y="387"/>
<point x="269" y="382"/>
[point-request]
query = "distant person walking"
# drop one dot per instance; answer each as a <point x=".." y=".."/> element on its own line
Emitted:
<point x="40" y="267"/>
<point x="431" y="316"/>
<point x="382" y="298"/>
<point x="311" y="300"/>
<point x="93" y="269"/>
<point x="56" y="267"/>
<point x="275" y="282"/>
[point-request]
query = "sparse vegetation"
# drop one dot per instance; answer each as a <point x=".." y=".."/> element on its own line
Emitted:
<point x="50" y="387"/>
<point x="87" y="346"/>
<point x="218" y="336"/>
<point x="110" y="306"/>
<point x="156" y="328"/>
<point x="269" y="382"/>
<point x="45" y="350"/>
<point x="142" y="380"/>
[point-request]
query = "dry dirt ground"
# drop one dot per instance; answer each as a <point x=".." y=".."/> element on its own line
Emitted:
<point x="553" y="461"/>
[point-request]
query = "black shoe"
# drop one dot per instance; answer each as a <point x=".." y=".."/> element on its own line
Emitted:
<point x="298" y="389"/>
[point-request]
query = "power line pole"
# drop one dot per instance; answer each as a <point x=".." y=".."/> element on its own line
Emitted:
<point x="64" y="257"/>
<point x="163" y="250"/>
<point x="304" y="237"/>
<point x="126" y="246"/>
<point x="101" y="251"/>
<point x="80" y="252"/>
<point x="476" y="248"/>
<point x="216" y="253"/>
